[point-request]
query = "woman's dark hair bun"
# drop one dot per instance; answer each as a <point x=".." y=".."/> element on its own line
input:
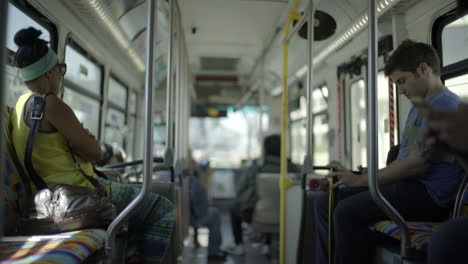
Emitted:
<point x="27" y="36"/>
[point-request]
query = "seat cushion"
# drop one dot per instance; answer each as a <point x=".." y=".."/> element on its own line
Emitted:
<point x="420" y="232"/>
<point x="69" y="247"/>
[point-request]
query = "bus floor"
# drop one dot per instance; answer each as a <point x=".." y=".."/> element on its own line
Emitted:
<point x="199" y="255"/>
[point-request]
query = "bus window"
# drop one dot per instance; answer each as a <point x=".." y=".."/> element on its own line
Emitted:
<point x="86" y="109"/>
<point x="320" y="149"/>
<point x="83" y="72"/>
<point x="16" y="21"/>
<point x="82" y="88"/>
<point x="359" y="121"/>
<point x="115" y="127"/>
<point x="451" y="34"/>
<point x="459" y="85"/>
<point x="358" y="124"/>
<point x="117" y="94"/>
<point x="116" y="115"/>
<point x="225" y="141"/>
<point x="132" y="116"/>
<point x="298" y="140"/>
<point x="321" y="140"/>
<point x="454" y="44"/>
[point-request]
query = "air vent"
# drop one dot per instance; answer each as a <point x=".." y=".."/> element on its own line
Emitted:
<point x="219" y="64"/>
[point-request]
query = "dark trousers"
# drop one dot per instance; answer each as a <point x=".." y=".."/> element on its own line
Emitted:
<point x="449" y="243"/>
<point x="237" y="217"/>
<point x="356" y="211"/>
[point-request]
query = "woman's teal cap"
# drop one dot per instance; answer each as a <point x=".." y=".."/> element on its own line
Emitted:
<point x="39" y="67"/>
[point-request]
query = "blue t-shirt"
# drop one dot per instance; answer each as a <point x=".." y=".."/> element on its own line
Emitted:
<point x="444" y="172"/>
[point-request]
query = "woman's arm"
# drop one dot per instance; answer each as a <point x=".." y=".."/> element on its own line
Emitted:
<point x="62" y="117"/>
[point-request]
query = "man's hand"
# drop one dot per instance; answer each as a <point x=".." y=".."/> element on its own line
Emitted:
<point x="344" y="175"/>
<point x="446" y="128"/>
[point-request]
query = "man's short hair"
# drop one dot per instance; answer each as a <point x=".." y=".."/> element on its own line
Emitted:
<point x="409" y="55"/>
<point x="272" y="145"/>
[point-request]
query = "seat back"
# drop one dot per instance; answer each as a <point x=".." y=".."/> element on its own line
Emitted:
<point x="12" y="187"/>
<point x="266" y="216"/>
<point x="267" y="209"/>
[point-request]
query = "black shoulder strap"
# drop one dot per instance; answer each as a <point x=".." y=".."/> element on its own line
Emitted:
<point x="92" y="180"/>
<point x="37" y="112"/>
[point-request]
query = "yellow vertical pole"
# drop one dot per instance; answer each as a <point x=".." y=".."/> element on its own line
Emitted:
<point x="285" y="183"/>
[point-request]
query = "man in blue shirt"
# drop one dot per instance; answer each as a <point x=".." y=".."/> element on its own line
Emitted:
<point x="420" y="184"/>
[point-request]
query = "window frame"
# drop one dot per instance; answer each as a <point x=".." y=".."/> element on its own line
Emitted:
<point x="76" y="88"/>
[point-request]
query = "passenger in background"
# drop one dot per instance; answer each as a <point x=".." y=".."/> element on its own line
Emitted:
<point x="150" y="227"/>
<point x="420" y="184"/>
<point x="111" y="154"/>
<point x="202" y="214"/>
<point x="449" y="243"/>
<point x="243" y="207"/>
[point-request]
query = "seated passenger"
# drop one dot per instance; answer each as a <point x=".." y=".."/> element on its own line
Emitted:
<point x="243" y="208"/>
<point x="201" y="214"/>
<point x="420" y="184"/>
<point x="42" y="73"/>
<point x="449" y="243"/>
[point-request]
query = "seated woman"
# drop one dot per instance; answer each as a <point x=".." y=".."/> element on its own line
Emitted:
<point x="42" y="73"/>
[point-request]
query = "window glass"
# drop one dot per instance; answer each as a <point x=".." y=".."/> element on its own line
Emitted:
<point x="14" y="86"/>
<point x="115" y="127"/>
<point x="321" y="140"/>
<point x="455" y="41"/>
<point x="117" y="93"/>
<point x="225" y="141"/>
<point x="16" y="21"/>
<point x="132" y="104"/>
<point x="86" y="109"/>
<point x="459" y="85"/>
<point x="130" y="137"/>
<point x="358" y="124"/>
<point x="83" y="72"/>
<point x="318" y="101"/>
<point x="298" y="141"/>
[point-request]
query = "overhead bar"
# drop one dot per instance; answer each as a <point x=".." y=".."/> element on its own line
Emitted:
<point x="110" y="245"/>
<point x="372" y="153"/>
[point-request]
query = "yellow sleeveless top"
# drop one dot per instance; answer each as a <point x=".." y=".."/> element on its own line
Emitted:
<point x="50" y="158"/>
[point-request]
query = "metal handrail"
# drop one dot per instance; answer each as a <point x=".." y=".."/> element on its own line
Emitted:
<point x="372" y="153"/>
<point x="297" y="27"/>
<point x="131" y="163"/>
<point x="308" y="160"/>
<point x="169" y="83"/>
<point x="3" y="25"/>
<point x="110" y="245"/>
